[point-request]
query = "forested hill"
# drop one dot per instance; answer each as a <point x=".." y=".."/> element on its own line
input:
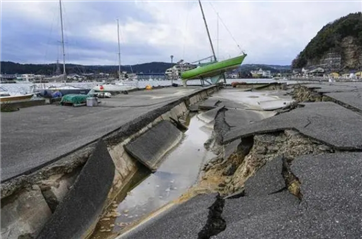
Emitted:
<point x="337" y="46"/>
<point x="49" y="69"/>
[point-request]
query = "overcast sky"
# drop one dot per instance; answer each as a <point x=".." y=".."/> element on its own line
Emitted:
<point x="270" y="32"/>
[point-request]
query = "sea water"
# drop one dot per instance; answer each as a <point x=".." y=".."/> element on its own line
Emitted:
<point x="24" y="88"/>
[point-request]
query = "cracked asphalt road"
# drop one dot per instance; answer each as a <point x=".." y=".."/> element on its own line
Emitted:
<point x="331" y="206"/>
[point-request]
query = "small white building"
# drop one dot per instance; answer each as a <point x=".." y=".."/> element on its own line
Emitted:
<point x="261" y="73"/>
<point x="26" y="77"/>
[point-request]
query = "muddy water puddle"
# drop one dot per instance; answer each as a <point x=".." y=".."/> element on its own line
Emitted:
<point x="178" y="172"/>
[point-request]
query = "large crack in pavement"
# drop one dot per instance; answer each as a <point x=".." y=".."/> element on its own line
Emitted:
<point x="292" y="182"/>
<point x="215" y="223"/>
<point x="228" y="175"/>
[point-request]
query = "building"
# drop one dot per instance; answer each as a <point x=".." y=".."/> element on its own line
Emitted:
<point x="7" y="78"/>
<point x="26" y="77"/>
<point x="175" y="71"/>
<point x="261" y="74"/>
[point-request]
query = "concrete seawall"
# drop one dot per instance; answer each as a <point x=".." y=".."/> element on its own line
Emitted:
<point x="51" y="180"/>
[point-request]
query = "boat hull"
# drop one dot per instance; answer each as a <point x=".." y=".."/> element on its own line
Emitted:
<point x="112" y="88"/>
<point x="15" y="98"/>
<point x="213" y="69"/>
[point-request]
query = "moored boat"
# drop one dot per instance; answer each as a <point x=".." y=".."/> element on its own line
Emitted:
<point x="6" y="96"/>
<point x="115" y="87"/>
<point x="64" y="90"/>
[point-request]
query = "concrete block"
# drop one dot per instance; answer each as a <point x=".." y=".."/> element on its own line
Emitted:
<point x="82" y="206"/>
<point x="26" y="213"/>
<point x="151" y="146"/>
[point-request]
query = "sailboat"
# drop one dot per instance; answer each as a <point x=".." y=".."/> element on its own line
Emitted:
<point x="120" y="85"/>
<point x="215" y="69"/>
<point x="63" y="89"/>
<point x="6" y="96"/>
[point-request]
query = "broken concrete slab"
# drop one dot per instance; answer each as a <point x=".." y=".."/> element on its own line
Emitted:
<point x="230" y="148"/>
<point x="24" y="215"/>
<point x="81" y="207"/>
<point x="56" y="187"/>
<point x="231" y="104"/>
<point x="150" y="147"/>
<point x="324" y="121"/>
<point x="236" y="118"/>
<point x="276" y="104"/>
<point x="331" y="87"/>
<point x="194" y="108"/>
<point x="209" y="104"/>
<point x="209" y="115"/>
<point x="352" y="99"/>
<point x="183" y="221"/>
<point x="267" y="180"/>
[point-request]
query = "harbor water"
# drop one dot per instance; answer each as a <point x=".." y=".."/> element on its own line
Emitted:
<point x="23" y="88"/>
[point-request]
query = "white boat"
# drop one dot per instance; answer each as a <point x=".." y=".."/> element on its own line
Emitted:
<point x="119" y="86"/>
<point x="6" y="96"/>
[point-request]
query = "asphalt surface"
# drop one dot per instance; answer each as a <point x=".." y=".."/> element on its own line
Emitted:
<point x="38" y="135"/>
<point x="330" y="207"/>
<point x="182" y="221"/>
<point x="267" y="181"/>
<point x="343" y="92"/>
<point x="353" y="99"/>
<point x="325" y="121"/>
<point x="331" y="203"/>
<point x="335" y="87"/>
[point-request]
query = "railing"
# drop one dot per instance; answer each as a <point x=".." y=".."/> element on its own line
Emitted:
<point x="206" y="58"/>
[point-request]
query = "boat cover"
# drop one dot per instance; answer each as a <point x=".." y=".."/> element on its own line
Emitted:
<point x="74" y="99"/>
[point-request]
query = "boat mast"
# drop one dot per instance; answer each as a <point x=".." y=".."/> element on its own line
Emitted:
<point x="119" y="53"/>
<point x="217" y="30"/>
<point x="207" y="29"/>
<point x="61" y="24"/>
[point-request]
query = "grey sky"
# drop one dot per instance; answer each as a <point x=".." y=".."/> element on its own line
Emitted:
<point x="272" y="32"/>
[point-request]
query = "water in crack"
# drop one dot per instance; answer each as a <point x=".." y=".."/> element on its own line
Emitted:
<point x="179" y="171"/>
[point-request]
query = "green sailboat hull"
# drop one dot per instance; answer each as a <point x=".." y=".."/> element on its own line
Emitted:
<point x="213" y="69"/>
